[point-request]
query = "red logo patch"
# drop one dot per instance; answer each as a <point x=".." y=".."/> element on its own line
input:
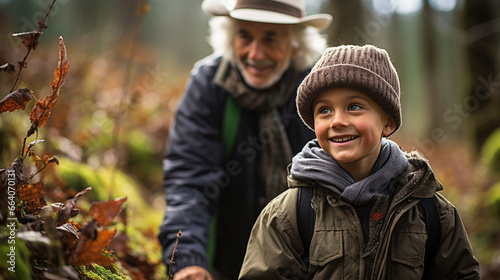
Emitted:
<point x="377" y="216"/>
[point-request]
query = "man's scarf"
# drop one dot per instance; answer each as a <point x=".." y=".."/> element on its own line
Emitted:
<point x="276" y="155"/>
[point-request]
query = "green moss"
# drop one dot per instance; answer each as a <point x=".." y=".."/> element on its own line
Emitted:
<point x="78" y="176"/>
<point x="142" y="159"/>
<point x="110" y="184"/>
<point x="97" y="272"/>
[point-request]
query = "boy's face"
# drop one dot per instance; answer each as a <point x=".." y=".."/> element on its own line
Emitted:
<point x="263" y="52"/>
<point x="349" y="126"/>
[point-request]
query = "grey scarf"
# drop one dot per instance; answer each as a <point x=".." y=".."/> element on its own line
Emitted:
<point x="313" y="163"/>
<point x="276" y="155"/>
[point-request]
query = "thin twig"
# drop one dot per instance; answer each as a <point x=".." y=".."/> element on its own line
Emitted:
<point x="170" y="275"/>
<point x="41" y="26"/>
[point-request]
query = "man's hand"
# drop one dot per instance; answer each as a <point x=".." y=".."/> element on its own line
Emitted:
<point x="193" y="273"/>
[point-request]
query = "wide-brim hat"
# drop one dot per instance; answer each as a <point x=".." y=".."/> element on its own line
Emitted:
<point x="267" y="11"/>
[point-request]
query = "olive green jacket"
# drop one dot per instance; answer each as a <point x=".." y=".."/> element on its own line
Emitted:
<point x="274" y="249"/>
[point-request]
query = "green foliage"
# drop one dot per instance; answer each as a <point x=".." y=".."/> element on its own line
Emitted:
<point x="22" y="255"/>
<point x="493" y="200"/>
<point x="491" y="153"/>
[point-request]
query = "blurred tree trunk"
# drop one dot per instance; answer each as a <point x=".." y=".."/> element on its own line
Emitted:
<point x="430" y="77"/>
<point x="348" y="22"/>
<point x="482" y="29"/>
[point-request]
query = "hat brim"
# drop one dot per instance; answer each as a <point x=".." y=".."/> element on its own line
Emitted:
<point x="318" y="21"/>
<point x="217" y="8"/>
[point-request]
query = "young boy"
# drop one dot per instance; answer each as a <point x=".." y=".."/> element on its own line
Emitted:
<point x="368" y="221"/>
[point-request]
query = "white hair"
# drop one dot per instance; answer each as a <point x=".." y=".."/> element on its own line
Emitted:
<point x="308" y="40"/>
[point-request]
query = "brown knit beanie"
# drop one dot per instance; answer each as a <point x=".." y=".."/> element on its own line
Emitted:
<point x="364" y="68"/>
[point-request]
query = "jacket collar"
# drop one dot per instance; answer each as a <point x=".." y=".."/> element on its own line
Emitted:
<point x="416" y="181"/>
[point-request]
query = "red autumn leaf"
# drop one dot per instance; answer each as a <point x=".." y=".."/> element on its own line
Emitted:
<point x="29" y="39"/>
<point x="15" y="100"/>
<point x="8" y="68"/>
<point x="88" y="249"/>
<point x="41" y="112"/>
<point x="32" y="197"/>
<point x="104" y="212"/>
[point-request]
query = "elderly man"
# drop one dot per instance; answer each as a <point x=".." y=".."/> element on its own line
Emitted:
<point x="235" y="131"/>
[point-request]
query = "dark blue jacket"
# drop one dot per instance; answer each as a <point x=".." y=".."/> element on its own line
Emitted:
<point x="198" y="180"/>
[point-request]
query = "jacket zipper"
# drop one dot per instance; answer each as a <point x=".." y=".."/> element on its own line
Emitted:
<point x="393" y="219"/>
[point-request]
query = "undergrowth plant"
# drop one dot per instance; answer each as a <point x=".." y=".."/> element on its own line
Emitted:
<point x="55" y="239"/>
<point x="41" y="240"/>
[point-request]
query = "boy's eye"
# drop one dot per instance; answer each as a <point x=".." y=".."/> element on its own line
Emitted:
<point x="355" y="107"/>
<point x="324" y="110"/>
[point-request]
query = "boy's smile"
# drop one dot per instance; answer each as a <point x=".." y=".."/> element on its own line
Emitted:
<point x="349" y="126"/>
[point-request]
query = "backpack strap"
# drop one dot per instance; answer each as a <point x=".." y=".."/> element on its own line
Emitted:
<point x="306" y="218"/>
<point x="433" y="228"/>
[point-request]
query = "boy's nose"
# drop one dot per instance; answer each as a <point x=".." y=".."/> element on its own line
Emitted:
<point x="339" y="120"/>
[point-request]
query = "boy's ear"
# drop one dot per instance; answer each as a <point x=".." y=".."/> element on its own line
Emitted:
<point x="390" y="126"/>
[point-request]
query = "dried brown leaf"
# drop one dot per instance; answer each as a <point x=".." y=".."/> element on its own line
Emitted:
<point x="66" y="212"/>
<point x="29" y="39"/>
<point x="67" y="234"/>
<point x="12" y="174"/>
<point x="89" y="248"/>
<point x="28" y="149"/>
<point x="8" y="68"/>
<point x="41" y="112"/>
<point x="15" y="100"/>
<point x="32" y="197"/>
<point x="104" y="212"/>
<point x="42" y="163"/>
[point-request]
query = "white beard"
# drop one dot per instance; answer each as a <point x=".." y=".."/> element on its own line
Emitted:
<point x="275" y="76"/>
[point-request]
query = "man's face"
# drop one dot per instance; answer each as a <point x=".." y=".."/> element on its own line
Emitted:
<point x="263" y="52"/>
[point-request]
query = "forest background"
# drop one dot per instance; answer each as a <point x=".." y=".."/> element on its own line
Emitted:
<point x="130" y="60"/>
